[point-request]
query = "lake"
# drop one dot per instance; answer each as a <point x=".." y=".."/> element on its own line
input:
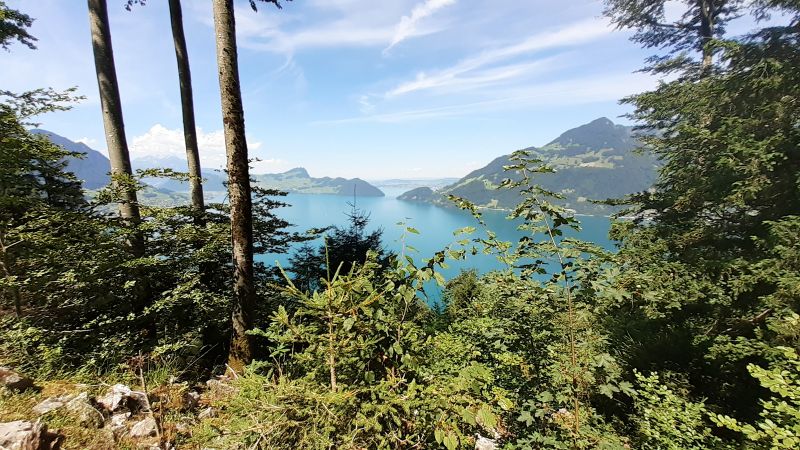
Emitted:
<point x="435" y="224"/>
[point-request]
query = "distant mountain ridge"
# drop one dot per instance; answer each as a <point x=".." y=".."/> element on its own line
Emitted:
<point x="396" y="186"/>
<point x="93" y="170"/>
<point x="298" y="180"/>
<point x="595" y="161"/>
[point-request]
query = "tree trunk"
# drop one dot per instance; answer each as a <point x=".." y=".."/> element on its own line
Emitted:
<point x="112" y="116"/>
<point x="187" y="106"/>
<point x="238" y="184"/>
<point x="707" y="31"/>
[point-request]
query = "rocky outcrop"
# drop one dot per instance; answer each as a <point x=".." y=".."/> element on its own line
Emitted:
<point x="14" y="381"/>
<point x="82" y="411"/>
<point x="24" y="435"/>
<point x="122" y="398"/>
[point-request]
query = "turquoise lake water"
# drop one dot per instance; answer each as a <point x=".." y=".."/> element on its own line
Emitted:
<point x="435" y="224"/>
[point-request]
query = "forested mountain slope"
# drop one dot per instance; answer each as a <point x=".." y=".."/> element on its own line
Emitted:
<point x="595" y="161"/>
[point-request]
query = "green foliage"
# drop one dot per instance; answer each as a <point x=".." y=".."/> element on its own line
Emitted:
<point x="350" y="370"/>
<point x="778" y="426"/>
<point x="698" y="23"/>
<point x="341" y="250"/>
<point x="13" y="27"/>
<point x="81" y="301"/>
<point x="712" y="254"/>
<point x="665" y="419"/>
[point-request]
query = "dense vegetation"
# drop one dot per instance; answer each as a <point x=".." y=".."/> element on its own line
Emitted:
<point x="687" y="337"/>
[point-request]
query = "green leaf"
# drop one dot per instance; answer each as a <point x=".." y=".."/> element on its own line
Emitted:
<point x="526" y="417"/>
<point x="451" y="441"/>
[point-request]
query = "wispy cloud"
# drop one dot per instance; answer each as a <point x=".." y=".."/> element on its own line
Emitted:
<point x="407" y="26"/>
<point x="574" y="34"/>
<point x="451" y="81"/>
<point x="335" y="23"/>
<point x="584" y="90"/>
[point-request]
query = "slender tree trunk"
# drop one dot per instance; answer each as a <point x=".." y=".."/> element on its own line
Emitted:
<point x="187" y="106"/>
<point x="238" y="184"/>
<point x="707" y="15"/>
<point x="112" y="115"/>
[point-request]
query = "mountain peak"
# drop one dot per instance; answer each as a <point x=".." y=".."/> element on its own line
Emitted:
<point x="601" y="122"/>
<point x="298" y="172"/>
<point x="596" y="134"/>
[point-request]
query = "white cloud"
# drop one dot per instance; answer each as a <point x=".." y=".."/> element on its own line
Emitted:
<point x="327" y="24"/>
<point x="161" y="143"/>
<point x="365" y="104"/>
<point x="576" y="91"/>
<point x="450" y="81"/>
<point x="87" y="141"/>
<point x="574" y="34"/>
<point x="407" y="26"/>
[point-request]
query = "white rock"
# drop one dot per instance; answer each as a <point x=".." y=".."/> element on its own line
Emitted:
<point x="138" y="401"/>
<point x="121" y="397"/>
<point x="144" y="428"/>
<point x="118" y="423"/>
<point x="115" y="398"/>
<point x="484" y="443"/>
<point x="24" y="435"/>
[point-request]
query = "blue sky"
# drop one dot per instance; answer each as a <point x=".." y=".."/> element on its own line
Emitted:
<point x="353" y="88"/>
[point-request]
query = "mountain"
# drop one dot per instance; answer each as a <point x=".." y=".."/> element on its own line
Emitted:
<point x="92" y="169"/>
<point x="299" y="181"/>
<point x="595" y="161"/>
<point x="212" y="179"/>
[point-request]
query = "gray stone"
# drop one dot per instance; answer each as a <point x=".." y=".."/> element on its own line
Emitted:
<point x="207" y="413"/>
<point x="144" y="428"/>
<point x="116" y="397"/>
<point x="80" y="409"/>
<point x="484" y="443"/>
<point x="217" y="387"/>
<point x="14" y="381"/>
<point x="24" y="435"/>
<point x="121" y="397"/>
<point x="51" y="404"/>
<point x="118" y="423"/>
